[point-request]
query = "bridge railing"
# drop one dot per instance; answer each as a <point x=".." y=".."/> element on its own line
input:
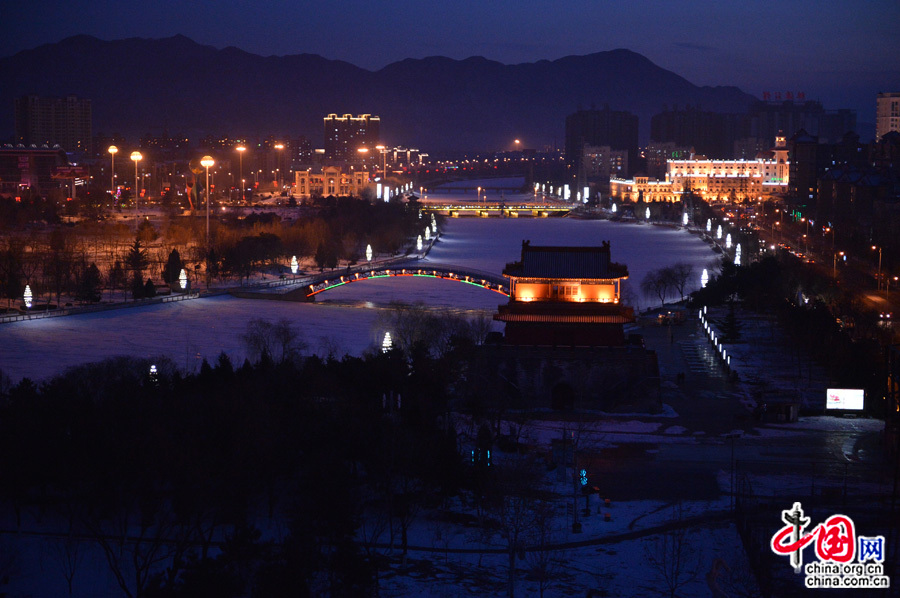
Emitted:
<point x="478" y="277"/>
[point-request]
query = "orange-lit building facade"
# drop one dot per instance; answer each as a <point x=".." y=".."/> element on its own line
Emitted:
<point x="330" y="181"/>
<point x="565" y="296"/>
<point x="744" y="180"/>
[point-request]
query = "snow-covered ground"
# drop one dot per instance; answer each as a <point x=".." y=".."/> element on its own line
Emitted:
<point x="344" y="319"/>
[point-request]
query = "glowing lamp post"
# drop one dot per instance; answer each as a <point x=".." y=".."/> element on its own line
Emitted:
<point x="294" y="265"/>
<point x="383" y="151"/>
<point x="240" y="150"/>
<point x="206" y="162"/>
<point x="136" y="156"/>
<point x="279" y="147"/>
<point x="368" y="253"/>
<point x="704" y="279"/>
<point x="113" y="150"/>
<point x="182" y="280"/>
<point x="419" y="243"/>
<point x="28" y="297"/>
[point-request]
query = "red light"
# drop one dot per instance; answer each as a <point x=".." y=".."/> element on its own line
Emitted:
<point x="18" y="199"/>
<point x="68" y="199"/>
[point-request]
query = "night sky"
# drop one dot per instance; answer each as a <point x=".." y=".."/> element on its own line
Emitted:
<point x="840" y="52"/>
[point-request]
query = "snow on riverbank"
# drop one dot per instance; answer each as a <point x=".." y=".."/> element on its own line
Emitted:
<point x="343" y="321"/>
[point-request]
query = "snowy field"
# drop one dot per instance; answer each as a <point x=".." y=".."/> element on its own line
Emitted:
<point x="344" y="320"/>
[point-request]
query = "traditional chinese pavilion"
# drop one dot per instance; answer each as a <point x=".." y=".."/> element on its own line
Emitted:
<point x="565" y="345"/>
<point x="565" y="296"/>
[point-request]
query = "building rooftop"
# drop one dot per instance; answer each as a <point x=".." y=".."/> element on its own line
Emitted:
<point x="565" y="262"/>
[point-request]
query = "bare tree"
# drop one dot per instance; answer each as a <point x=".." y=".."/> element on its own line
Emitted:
<point x="279" y="340"/>
<point x="681" y="273"/>
<point x="656" y="282"/>
<point x="672" y="560"/>
<point x="542" y="565"/>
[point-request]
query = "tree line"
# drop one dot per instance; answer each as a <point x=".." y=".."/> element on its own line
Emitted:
<point x="80" y="261"/>
<point x="173" y="475"/>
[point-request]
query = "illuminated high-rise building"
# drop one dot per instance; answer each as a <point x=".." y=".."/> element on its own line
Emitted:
<point x="344" y="135"/>
<point x="887" y="113"/>
<point x="54" y="121"/>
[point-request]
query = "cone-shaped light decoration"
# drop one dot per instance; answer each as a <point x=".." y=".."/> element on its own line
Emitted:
<point x="419" y="243"/>
<point x="368" y="253"/>
<point x="182" y="280"/>
<point x="684" y="219"/>
<point x="647" y="213"/>
<point x="728" y="241"/>
<point x="737" y="255"/>
<point x="709" y="225"/>
<point x="28" y="297"/>
<point x="614" y="208"/>
<point x="387" y="343"/>
<point x="427" y="233"/>
<point x="704" y="279"/>
<point x="294" y="265"/>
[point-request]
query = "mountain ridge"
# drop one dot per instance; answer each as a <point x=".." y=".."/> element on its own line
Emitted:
<point x="139" y="85"/>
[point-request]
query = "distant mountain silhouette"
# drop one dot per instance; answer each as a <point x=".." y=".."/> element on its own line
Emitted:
<point x="147" y="85"/>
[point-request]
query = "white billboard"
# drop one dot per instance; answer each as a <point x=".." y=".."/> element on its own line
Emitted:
<point x="845" y="398"/>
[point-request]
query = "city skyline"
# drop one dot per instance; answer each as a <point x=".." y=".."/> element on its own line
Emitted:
<point x="832" y="51"/>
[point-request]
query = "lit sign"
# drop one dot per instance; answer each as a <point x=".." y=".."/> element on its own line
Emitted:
<point x="845" y="398"/>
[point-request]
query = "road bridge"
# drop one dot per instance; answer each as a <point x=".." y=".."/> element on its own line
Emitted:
<point x="487" y="210"/>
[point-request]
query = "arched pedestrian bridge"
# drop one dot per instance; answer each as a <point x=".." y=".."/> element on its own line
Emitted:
<point x="485" y="280"/>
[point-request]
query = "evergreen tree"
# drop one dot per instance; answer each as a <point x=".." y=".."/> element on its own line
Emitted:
<point x="137" y="286"/>
<point x="173" y="267"/>
<point x="116" y="276"/>
<point x="89" y="280"/>
<point x="730" y="326"/>
<point x="149" y="289"/>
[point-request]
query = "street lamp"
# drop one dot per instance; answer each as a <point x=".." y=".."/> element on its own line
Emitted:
<point x="879" y="265"/>
<point x="137" y="157"/>
<point x="113" y="150"/>
<point x="479" y="195"/>
<point x="240" y="150"/>
<point x="279" y="147"/>
<point x="383" y="151"/>
<point x="206" y="162"/>
<point x="834" y="263"/>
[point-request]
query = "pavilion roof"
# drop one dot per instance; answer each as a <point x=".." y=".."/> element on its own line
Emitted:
<point x="566" y="263"/>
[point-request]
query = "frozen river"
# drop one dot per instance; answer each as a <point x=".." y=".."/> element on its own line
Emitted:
<point x="344" y="320"/>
